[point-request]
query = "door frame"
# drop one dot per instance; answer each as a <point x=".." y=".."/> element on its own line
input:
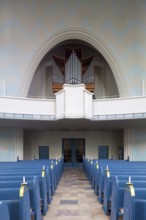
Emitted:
<point x="73" y="163"/>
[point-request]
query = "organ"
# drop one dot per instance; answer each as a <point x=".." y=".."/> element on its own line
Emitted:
<point x="73" y="69"/>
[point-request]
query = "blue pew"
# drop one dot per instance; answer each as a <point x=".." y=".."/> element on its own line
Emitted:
<point x="36" y="164"/>
<point x="42" y="186"/>
<point x="96" y="179"/>
<point x="34" y="192"/>
<point x="92" y="168"/>
<point x="4" y="211"/>
<point x="113" y="164"/>
<point x="134" y="203"/>
<point x="113" y="172"/>
<point x="30" y="172"/>
<point x="18" y="202"/>
<point x="94" y="172"/>
<point x="52" y="172"/>
<point x="108" y="189"/>
<point x="117" y="198"/>
<point x="57" y="169"/>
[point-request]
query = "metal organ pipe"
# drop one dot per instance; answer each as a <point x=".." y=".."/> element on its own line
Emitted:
<point x="73" y="70"/>
<point x="89" y="74"/>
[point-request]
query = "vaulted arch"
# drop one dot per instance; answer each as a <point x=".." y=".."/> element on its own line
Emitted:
<point x="80" y="34"/>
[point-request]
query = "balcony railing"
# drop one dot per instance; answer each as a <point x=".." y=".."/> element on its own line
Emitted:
<point x="45" y="109"/>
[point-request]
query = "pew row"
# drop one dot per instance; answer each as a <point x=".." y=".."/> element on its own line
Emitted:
<point x="107" y="173"/>
<point x="117" y="198"/>
<point x="48" y="179"/>
<point x="108" y="188"/>
<point x="42" y="187"/>
<point x="34" y="191"/>
<point x="18" y="202"/>
<point x="51" y="170"/>
<point x="45" y="173"/>
<point x="134" y="203"/>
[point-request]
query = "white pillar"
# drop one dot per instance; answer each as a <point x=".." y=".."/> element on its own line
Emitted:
<point x="128" y="143"/>
<point x="142" y="87"/>
<point x="18" y="143"/>
<point x="4" y="87"/>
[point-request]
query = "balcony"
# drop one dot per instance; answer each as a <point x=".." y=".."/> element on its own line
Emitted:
<point x="73" y="103"/>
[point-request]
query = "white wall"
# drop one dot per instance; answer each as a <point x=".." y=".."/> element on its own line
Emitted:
<point x="11" y="144"/>
<point x="135" y="143"/>
<point x="53" y="139"/>
<point x="26" y="25"/>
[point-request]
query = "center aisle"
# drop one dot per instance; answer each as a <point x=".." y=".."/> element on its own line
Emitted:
<point x="74" y="199"/>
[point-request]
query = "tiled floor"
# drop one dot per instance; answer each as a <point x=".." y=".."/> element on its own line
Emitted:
<point x="74" y="199"/>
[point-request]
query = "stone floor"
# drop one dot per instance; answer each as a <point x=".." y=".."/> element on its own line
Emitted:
<point x="74" y="199"/>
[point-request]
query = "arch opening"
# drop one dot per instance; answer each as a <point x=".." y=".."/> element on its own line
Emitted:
<point x="108" y="80"/>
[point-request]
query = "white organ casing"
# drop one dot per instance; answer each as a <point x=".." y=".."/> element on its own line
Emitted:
<point x="74" y="101"/>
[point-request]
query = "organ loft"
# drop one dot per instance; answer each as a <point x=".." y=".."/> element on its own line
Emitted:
<point x="73" y="69"/>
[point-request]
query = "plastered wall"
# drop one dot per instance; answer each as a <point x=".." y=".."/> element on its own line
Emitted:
<point x="11" y="144"/>
<point x="34" y="139"/>
<point x="26" y="25"/>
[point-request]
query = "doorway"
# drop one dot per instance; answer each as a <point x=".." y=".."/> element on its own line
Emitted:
<point x="102" y="152"/>
<point x="43" y="152"/>
<point x="121" y="153"/>
<point x="73" y="151"/>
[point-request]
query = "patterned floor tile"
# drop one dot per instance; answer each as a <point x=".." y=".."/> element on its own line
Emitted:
<point x="75" y="199"/>
<point x="68" y="212"/>
<point x="68" y="202"/>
